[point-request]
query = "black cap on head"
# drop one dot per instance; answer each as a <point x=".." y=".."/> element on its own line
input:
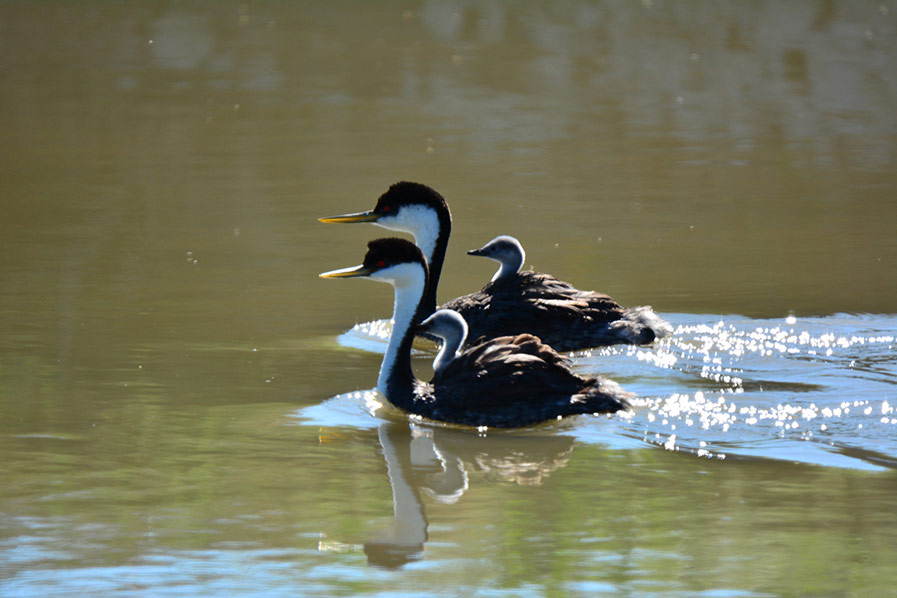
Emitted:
<point x="391" y="251"/>
<point x="406" y="193"/>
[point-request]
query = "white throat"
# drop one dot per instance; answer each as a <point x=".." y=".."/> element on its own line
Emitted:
<point x="452" y="329"/>
<point x="510" y="265"/>
<point x="450" y="349"/>
<point x="420" y="221"/>
<point x="505" y="270"/>
<point x="409" y="282"/>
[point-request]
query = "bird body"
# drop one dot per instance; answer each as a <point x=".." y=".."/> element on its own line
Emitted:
<point x="502" y="376"/>
<point x="502" y="382"/>
<point x="563" y="316"/>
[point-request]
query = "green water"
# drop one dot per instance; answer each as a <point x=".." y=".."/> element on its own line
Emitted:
<point x="173" y="410"/>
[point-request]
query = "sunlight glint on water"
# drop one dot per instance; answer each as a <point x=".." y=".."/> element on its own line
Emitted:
<point x="738" y="160"/>
<point x="763" y="384"/>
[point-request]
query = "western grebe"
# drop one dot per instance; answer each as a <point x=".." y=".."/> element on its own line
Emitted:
<point x="420" y="211"/>
<point x="502" y="382"/>
<point x="514" y="302"/>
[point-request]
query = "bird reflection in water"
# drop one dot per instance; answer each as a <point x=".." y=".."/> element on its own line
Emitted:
<point x="437" y="462"/>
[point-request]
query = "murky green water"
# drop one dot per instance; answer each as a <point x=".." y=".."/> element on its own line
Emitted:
<point x="179" y="418"/>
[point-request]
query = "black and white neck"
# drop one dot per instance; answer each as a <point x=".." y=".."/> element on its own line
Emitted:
<point x="507" y="251"/>
<point x="422" y="212"/>
<point x="401" y="264"/>
<point x="409" y="280"/>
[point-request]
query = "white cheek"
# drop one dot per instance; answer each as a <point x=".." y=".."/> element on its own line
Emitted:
<point x="391" y="223"/>
<point x="420" y="221"/>
<point x="400" y="275"/>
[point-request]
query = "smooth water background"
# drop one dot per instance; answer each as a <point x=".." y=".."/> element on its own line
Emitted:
<point x="178" y="418"/>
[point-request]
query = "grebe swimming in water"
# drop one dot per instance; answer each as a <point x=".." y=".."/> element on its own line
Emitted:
<point x="504" y="382"/>
<point x="513" y="302"/>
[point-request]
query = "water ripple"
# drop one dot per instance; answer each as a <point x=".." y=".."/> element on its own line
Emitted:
<point x="819" y="390"/>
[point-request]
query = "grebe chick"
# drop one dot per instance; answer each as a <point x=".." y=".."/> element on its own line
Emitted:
<point x="503" y="382"/>
<point x="507" y="251"/>
<point x="560" y="314"/>
<point x="451" y="328"/>
<point x="556" y="312"/>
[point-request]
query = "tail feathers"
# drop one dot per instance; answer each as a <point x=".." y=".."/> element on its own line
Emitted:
<point x="603" y="396"/>
<point x="641" y="325"/>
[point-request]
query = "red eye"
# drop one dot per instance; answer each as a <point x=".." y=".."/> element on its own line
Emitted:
<point x="386" y="208"/>
<point x="380" y="263"/>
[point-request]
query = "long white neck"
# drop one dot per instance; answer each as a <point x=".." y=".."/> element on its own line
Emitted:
<point x="410" y="282"/>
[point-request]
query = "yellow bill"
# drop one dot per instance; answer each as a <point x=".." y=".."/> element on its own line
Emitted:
<point x="370" y="216"/>
<point x="349" y="272"/>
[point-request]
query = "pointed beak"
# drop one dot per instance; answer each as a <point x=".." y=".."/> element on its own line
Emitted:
<point x="370" y="216"/>
<point x="351" y="272"/>
<point x="476" y="251"/>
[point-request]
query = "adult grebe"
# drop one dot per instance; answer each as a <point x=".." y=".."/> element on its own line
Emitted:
<point x="504" y="382"/>
<point x="514" y="302"/>
<point x="420" y="211"/>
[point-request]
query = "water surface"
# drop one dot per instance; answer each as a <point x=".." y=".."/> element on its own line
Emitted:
<point x="178" y="415"/>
